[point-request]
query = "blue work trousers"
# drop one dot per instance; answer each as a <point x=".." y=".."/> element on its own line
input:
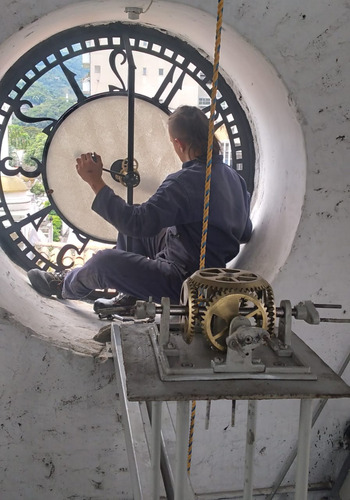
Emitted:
<point x="142" y="272"/>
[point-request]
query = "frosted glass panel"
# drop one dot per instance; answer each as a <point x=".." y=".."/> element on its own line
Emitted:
<point x="101" y="126"/>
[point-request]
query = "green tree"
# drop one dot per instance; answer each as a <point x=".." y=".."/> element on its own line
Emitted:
<point x="38" y="93"/>
<point x="35" y="148"/>
<point x="56" y="223"/>
<point x="18" y="137"/>
<point x="37" y="188"/>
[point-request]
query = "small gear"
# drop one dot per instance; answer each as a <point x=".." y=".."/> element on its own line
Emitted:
<point x="192" y="321"/>
<point x="271" y="310"/>
<point x="221" y="311"/>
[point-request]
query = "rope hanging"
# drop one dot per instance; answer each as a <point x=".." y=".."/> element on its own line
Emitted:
<point x="211" y="132"/>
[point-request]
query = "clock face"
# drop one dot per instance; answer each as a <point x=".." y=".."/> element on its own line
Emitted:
<point x="111" y="89"/>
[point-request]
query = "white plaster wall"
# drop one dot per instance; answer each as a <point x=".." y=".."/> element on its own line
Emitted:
<point x="60" y="430"/>
<point x="306" y="45"/>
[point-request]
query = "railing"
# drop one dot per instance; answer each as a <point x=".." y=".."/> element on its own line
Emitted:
<point x="72" y="258"/>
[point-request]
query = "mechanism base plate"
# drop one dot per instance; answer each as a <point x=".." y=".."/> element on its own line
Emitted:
<point x="197" y="361"/>
<point x="133" y="344"/>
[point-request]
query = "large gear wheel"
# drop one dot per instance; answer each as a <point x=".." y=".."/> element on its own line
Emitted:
<point x="218" y="316"/>
<point x="225" y="278"/>
<point x="206" y="286"/>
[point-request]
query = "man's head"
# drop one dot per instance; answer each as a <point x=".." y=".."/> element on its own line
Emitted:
<point x="188" y="130"/>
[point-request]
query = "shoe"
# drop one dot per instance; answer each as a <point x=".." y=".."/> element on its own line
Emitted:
<point x="46" y="283"/>
<point x="122" y="302"/>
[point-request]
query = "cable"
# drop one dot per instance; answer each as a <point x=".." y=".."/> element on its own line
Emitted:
<point x="145" y="10"/>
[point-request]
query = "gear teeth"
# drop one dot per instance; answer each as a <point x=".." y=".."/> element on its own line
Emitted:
<point x="271" y="310"/>
<point x="216" y="315"/>
<point x="207" y="286"/>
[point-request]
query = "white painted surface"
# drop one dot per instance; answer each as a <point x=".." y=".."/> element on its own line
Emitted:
<point x="60" y="430"/>
<point x="303" y="45"/>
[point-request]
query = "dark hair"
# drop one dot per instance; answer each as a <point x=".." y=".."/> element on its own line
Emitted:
<point x="191" y="125"/>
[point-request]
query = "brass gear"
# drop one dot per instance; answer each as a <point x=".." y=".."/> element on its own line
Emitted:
<point x="207" y="286"/>
<point x="271" y="309"/>
<point x="221" y="311"/>
<point x="192" y="321"/>
<point x="225" y="278"/>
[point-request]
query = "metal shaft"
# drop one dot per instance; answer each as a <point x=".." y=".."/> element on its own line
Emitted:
<point x="182" y="417"/>
<point x="303" y="456"/>
<point x="249" y="450"/>
<point x="156" y="447"/>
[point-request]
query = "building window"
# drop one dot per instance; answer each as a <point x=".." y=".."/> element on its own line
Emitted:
<point x="144" y="71"/>
<point x="161" y="71"/>
<point x="97" y="68"/>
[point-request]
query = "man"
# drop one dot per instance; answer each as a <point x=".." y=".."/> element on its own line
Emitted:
<point x="166" y="230"/>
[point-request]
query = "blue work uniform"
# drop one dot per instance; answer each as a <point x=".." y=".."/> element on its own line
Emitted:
<point x="165" y="234"/>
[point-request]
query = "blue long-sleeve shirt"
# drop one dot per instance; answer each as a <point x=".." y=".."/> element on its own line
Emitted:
<point x="178" y="206"/>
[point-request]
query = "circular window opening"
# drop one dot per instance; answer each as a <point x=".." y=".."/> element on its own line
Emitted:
<point x="71" y="94"/>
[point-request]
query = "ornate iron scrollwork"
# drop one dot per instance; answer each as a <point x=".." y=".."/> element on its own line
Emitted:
<point x="180" y="63"/>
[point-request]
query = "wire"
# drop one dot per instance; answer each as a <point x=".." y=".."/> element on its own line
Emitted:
<point x="145" y="10"/>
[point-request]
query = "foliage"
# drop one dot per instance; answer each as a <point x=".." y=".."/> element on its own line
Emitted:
<point x="18" y="137"/>
<point x="48" y="110"/>
<point x="56" y="223"/>
<point x="56" y="226"/>
<point x="35" y="148"/>
<point x="52" y="95"/>
<point x="37" y="188"/>
<point x="49" y="97"/>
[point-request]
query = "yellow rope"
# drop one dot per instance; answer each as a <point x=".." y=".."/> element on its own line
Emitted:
<point x="211" y="134"/>
<point x="207" y="185"/>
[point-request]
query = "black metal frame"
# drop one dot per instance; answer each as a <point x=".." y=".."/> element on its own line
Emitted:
<point x="125" y="40"/>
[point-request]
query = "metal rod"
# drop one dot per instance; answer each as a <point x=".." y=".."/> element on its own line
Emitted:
<point x="180" y="310"/>
<point x="131" y="123"/>
<point x="165" y="466"/>
<point x="249" y="450"/>
<point x="233" y="413"/>
<point x="155" y="447"/>
<point x="131" y="114"/>
<point x="303" y="455"/>
<point x="128" y="429"/>
<point x="207" y="414"/>
<point x="328" y="306"/>
<point x="323" y="487"/>
<point x="335" y="320"/>
<point x="182" y="417"/>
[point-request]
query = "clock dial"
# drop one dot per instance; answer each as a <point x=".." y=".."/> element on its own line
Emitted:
<point x="100" y="126"/>
<point x="116" y="86"/>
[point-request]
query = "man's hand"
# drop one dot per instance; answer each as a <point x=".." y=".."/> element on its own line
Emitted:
<point x="89" y="167"/>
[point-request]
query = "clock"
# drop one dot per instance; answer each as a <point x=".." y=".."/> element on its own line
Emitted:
<point x="135" y="77"/>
